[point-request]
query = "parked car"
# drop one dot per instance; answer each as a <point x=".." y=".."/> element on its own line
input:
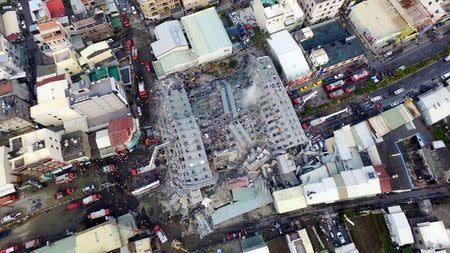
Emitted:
<point x="124" y="7"/>
<point x="133" y="10"/>
<point x="340" y="237"/>
<point x="338" y="76"/>
<point x="19" y="6"/>
<point x="9" y="218"/>
<point x="109" y="168"/>
<point x="147" y="66"/>
<point x="435" y="39"/>
<point x="374" y="99"/>
<point x="399" y="91"/>
<point x="5" y="233"/>
<point x="73" y="205"/>
<point x="318" y="83"/>
<point x="129" y="44"/>
<point x="59" y="195"/>
<point x="88" y="188"/>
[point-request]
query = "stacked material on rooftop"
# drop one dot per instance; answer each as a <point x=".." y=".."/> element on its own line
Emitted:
<point x="286" y="164"/>
<point x="399" y="226"/>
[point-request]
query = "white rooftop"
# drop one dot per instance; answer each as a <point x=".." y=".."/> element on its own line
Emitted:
<point x="434" y="105"/>
<point x="323" y="192"/>
<point x="434" y="234"/>
<point x="399" y="226"/>
<point x="169" y="36"/>
<point x="289" y="55"/>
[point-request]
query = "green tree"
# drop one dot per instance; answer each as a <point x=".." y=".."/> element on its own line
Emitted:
<point x="232" y="63"/>
<point x="259" y="38"/>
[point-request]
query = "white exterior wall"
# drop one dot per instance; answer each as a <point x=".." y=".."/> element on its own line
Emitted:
<point x="285" y="15"/>
<point x="10" y="67"/>
<point x="222" y="52"/>
<point x="317" y="11"/>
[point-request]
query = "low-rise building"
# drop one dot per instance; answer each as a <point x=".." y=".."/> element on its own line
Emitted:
<point x="193" y="5"/>
<point x="207" y="35"/>
<point x="399" y="226"/>
<point x="124" y="133"/>
<point x="52" y="37"/>
<point x="14" y="101"/>
<point x="105" y="237"/>
<point x="431" y="235"/>
<point x="434" y="105"/>
<point x="55" y="8"/>
<point x="67" y="60"/>
<point x="320" y="10"/>
<point x="382" y="22"/>
<point x="86" y="106"/>
<point x="9" y="26"/>
<point x="254" y="244"/>
<point x="171" y="49"/>
<point x="288" y="54"/>
<point x="36" y="152"/>
<point x="275" y="16"/>
<point x="282" y="126"/>
<point x="75" y="147"/>
<point x="289" y="199"/>
<point x="156" y="9"/>
<point x="337" y="46"/>
<point x="299" y="242"/>
<point x="12" y="59"/>
<point x="97" y="55"/>
<point x="94" y="28"/>
<point x="7" y="179"/>
<point x="38" y="11"/>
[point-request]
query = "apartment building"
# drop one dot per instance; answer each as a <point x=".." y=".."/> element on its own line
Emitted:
<point x="36" y="152"/>
<point x="67" y="60"/>
<point x="190" y="164"/>
<point x="320" y="10"/>
<point x="274" y="16"/>
<point x="94" y="28"/>
<point x="192" y="5"/>
<point x="12" y="58"/>
<point x="282" y="126"/>
<point x="14" y="103"/>
<point x="97" y="55"/>
<point x="85" y="106"/>
<point x="52" y="37"/>
<point x="156" y="9"/>
<point x="38" y="11"/>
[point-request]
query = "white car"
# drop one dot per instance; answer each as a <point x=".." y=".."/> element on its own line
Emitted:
<point x="88" y="188"/>
<point x="23" y="24"/>
<point x="341" y="237"/>
<point x="19" y="6"/>
<point x="399" y="91"/>
<point x="375" y="99"/>
<point x="133" y="10"/>
<point x="124" y="8"/>
<point x="338" y="76"/>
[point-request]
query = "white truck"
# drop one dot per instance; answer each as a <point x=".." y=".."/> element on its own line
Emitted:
<point x="65" y="178"/>
<point x="98" y="214"/>
<point x="90" y="199"/>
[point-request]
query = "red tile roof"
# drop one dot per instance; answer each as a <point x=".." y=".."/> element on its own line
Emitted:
<point x="56" y="8"/>
<point x="237" y="182"/>
<point x="50" y="79"/>
<point x="119" y="130"/>
<point x="385" y="182"/>
<point x="6" y="87"/>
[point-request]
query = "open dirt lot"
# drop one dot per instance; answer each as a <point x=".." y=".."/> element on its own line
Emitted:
<point x="370" y="234"/>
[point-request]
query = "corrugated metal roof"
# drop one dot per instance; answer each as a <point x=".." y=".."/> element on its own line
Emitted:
<point x="344" y="151"/>
<point x="362" y="135"/>
<point x="434" y="105"/>
<point x="397" y="116"/>
<point x="205" y="31"/>
<point x="66" y="245"/>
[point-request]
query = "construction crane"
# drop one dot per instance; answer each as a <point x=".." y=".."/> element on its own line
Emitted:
<point x="178" y="245"/>
<point x="321" y="120"/>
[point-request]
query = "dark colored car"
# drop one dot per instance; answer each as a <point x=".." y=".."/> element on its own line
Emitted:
<point x="5" y="233"/>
